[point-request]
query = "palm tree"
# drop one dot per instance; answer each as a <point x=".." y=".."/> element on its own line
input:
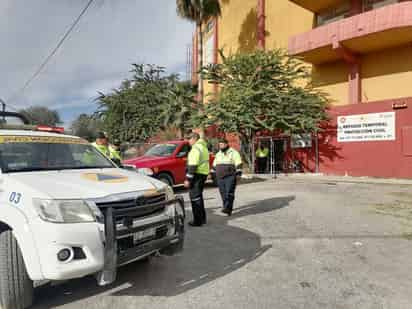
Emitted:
<point x="198" y="11"/>
<point x="182" y="105"/>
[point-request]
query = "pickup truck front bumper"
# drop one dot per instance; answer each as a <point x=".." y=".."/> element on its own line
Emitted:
<point x="168" y="237"/>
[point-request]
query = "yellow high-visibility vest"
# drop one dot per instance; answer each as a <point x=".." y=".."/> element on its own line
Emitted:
<point x="262" y="153"/>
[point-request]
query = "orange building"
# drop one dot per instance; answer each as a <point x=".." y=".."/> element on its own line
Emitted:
<point x="360" y="52"/>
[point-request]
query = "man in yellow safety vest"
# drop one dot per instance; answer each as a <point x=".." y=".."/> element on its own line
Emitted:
<point x="197" y="172"/>
<point x="102" y="144"/>
<point x="227" y="166"/>
<point x="262" y="154"/>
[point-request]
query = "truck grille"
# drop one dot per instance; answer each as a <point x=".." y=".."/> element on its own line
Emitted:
<point x="140" y="207"/>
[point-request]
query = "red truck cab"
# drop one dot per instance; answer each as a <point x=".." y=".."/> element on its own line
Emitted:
<point x="165" y="161"/>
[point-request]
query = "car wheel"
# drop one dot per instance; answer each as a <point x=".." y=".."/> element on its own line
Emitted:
<point x="167" y="179"/>
<point x="16" y="288"/>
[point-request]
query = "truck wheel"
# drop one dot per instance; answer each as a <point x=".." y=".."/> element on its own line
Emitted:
<point x="214" y="180"/>
<point x="16" y="288"/>
<point x="166" y="179"/>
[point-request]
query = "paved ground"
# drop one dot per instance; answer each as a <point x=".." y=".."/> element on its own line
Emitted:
<point x="290" y="244"/>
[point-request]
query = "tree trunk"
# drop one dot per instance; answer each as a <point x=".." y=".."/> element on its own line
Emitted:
<point x="246" y="149"/>
<point x="200" y="79"/>
<point x="180" y="132"/>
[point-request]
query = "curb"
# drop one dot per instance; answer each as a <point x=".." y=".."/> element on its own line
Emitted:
<point x="338" y="179"/>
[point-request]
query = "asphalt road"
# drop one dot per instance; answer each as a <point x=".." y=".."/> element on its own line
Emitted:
<point x="289" y="244"/>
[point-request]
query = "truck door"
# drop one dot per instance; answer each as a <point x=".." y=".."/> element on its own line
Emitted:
<point x="181" y="162"/>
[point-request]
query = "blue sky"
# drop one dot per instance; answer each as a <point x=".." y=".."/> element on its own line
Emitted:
<point x="96" y="57"/>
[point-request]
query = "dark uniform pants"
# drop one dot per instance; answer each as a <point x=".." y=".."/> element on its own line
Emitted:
<point x="262" y="164"/>
<point x="196" y="198"/>
<point x="227" y="188"/>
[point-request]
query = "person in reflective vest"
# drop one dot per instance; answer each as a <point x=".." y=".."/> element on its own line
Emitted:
<point x="227" y="166"/>
<point x="115" y="153"/>
<point x="102" y="145"/>
<point x="197" y="172"/>
<point x="262" y="154"/>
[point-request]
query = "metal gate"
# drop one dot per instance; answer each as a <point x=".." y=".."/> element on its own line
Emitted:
<point x="275" y="145"/>
<point x="281" y="158"/>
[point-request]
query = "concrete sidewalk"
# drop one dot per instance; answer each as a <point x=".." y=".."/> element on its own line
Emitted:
<point x="331" y="179"/>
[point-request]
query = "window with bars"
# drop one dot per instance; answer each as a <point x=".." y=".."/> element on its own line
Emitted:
<point x="369" y="5"/>
<point x="344" y="10"/>
<point x="333" y="14"/>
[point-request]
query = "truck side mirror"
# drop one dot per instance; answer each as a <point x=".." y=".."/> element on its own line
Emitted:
<point x="181" y="154"/>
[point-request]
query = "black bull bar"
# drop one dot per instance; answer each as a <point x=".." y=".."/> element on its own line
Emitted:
<point x="168" y="245"/>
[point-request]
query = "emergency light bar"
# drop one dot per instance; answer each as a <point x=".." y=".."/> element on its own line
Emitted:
<point x="26" y="127"/>
<point x="50" y="129"/>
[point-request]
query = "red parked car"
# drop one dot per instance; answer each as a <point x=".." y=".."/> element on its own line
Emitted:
<point x="165" y="161"/>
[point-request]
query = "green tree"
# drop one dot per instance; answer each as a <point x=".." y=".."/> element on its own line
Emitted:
<point x="41" y="115"/>
<point x="264" y="90"/>
<point x="180" y="107"/>
<point x="198" y="11"/>
<point x="86" y="126"/>
<point x="133" y="112"/>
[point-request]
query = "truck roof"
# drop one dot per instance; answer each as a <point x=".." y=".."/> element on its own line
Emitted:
<point x="33" y="133"/>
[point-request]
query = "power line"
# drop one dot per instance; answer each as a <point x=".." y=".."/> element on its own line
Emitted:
<point x="53" y="52"/>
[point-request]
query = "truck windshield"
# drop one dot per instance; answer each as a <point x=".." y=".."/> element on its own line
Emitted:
<point x="161" y="150"/>
<point x="37" y="154"/>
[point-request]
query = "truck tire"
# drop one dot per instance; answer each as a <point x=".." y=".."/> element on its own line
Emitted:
<point x="16" y="288"/>
<point x="214" y="180"/>
<point x="166" y="178"/>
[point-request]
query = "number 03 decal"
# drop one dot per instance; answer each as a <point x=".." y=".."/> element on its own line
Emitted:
<point x="15" y="198"/>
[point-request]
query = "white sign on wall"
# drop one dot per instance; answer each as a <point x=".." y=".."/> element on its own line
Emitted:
<point x="367" y="127"/>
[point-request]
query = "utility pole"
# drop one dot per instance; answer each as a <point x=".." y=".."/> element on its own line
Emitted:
<point x="3" y="108"/>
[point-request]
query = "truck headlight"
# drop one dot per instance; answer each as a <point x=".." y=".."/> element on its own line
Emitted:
<point x="170" y="195"/>
<point x="67" y="211"/>
<point x="145" y="171"/>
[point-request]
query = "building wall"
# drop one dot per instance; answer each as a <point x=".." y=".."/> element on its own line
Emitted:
<point x="386" y="79"/>
<point x="284" y="19"/>
<point x="332" y="78"/>
<point x="387" y="74"/>
<point x="237" y="26"/>
<point x="377" y="159"/>
<point x="384" y="74"/>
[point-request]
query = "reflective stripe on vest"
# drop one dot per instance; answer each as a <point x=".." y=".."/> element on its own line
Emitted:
<point x="226" y="158"/>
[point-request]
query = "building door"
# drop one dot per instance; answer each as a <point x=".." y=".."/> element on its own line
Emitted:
<point x="279" y="155"/>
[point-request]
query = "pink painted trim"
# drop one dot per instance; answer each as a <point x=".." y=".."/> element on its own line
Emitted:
<point x="389" y="17"/>
<point x="216" y="49"/>
<point x="355" y="83"/>
<point x="261" y="27"/>
<point x="342" y="109"/>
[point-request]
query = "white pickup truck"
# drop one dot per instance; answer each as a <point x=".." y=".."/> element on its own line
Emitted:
<point x="67" y="211"/>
